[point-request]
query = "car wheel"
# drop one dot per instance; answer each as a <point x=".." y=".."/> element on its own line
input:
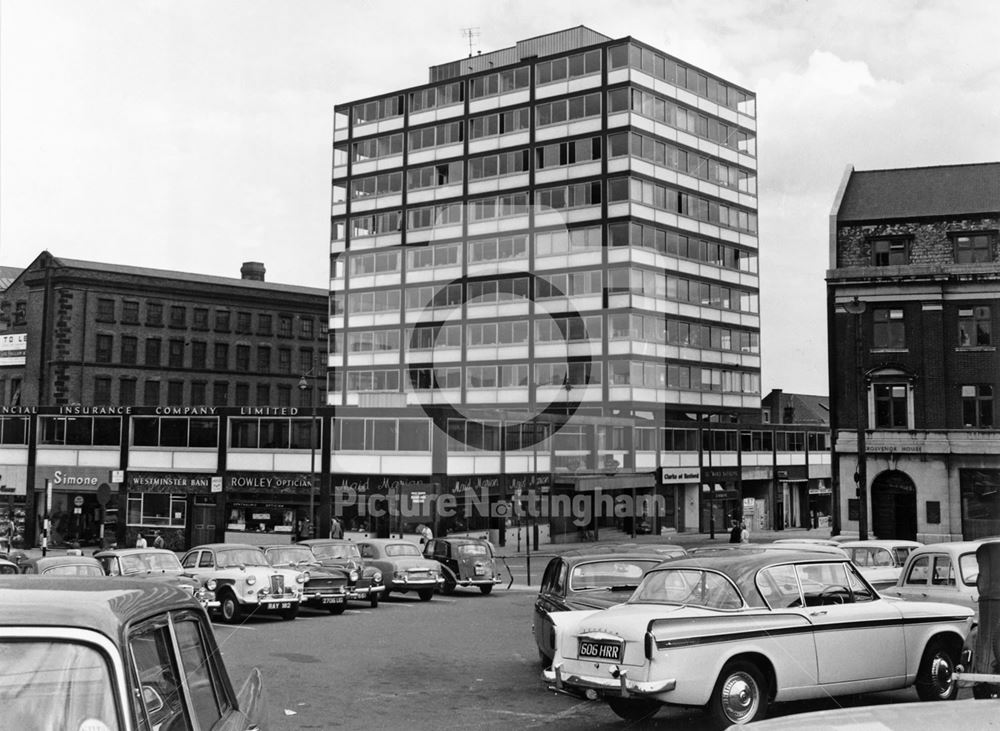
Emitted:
<point x="373" y="600"/>
<point x="229" y="608"/>
<point x="337" y="608"/>
<point x="448" y="587"/>
<point x="425" y="594"/>
<point x="740" y="696"/>
<point x="936" y="674"/>
<point x="486" y="588"/>
<point x="290" y="614"/>
<point x="633" y="709"/>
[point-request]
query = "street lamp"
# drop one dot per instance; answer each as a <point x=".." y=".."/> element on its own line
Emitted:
<point x="857" y="308"/>
<point x="303" y="385"/>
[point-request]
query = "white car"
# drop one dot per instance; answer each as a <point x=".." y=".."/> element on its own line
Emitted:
<point x="734" y="631"/>
<point x="880" y="561"/>
<point x="940" y="572"/>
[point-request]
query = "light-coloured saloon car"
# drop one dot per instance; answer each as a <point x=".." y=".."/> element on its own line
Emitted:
<point x="734" y="631"/>
<point x="880" y="561"/>
<point x="940" y="572"/>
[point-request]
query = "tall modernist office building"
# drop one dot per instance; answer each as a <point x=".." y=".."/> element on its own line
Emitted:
<point x="913" y="301"/>
<point x="544" y="273"/>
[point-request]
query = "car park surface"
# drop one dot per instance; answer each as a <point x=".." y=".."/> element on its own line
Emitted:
<point x="245" y="581"/>
<point x="156" y="564"/>
<point x="116" y="655"/>
<point x="734" y="631"/>
<point x="339" y="553"/>
<point x="403" y="568"/>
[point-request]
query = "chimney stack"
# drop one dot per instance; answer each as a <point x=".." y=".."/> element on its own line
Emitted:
<point x="252" y="270"/>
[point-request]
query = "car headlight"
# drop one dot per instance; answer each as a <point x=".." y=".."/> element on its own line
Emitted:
<point x="211" y="584"/>
<point x="302" y="578"/>
<point x="377" y="577"/>
<point x="251" y="580"/>
<point x="353" y="576"/>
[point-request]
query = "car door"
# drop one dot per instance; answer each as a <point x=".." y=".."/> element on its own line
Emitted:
<point x="858" y="635"/>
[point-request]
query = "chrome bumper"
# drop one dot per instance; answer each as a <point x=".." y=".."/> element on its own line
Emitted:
<point x="619" y="684"/>
<point x="363" y="592"/>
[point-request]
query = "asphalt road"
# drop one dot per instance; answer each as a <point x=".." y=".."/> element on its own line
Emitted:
<point x="466" y="661"/>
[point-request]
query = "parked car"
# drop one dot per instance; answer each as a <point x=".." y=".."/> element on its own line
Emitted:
<point x="115" y="654"/>
<point x="403" y="568"/>
<point x="964" y="714"/>
<point x="734" y="631"/>
<point x="244" y="581"/>
<point x="156" y="564"/>
<point x="467" y="562"/>
<point x="880" y="561"/>
<point x="8" y="567"/>
<point x="325" y="588"/>
<point x="940" y="572"/>
<point x="590" y="578"/>
<point x="68" y="565"/>
<point x="339" y="553"/>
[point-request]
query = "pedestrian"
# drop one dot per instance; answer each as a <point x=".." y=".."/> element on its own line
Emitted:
<point x="158" y="541"/>
<point x="744" y="533"/>
<point x="336" y="529"/>
<point x="735" y="532"/>
<point x="140" y="542"/>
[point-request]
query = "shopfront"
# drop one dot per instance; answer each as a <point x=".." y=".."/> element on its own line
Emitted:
<point x="182" y="507"/>
<point x="721" y="499"/>
<point x="76" y="515"/>
<point x="13" y="497"/>
<point x="265" y="508"/>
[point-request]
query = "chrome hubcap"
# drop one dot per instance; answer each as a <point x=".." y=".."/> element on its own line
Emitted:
<point x="739" y="696"/>
<point x="941" y="672"/>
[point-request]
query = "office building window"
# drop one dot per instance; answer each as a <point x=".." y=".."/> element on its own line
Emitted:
<point x="974" y="326"/>
<point x="153" y="346"/>
<point x="284" y="395"/>
<point x="104" y="344"/>
<point x="151" y="393"/>
<point x="243" y="358"/>
<point x="890" y="252"/>
<point x="105" y="310"/>
<point x="154" y="314"/>
<point x="130" y="312"/>
<point x="220" y="393"/>
<point x="977" y="406"/>
<point x="178" y="316"/>
<point x="126" y="392"/>
<point x="199" y="350"/>
<point x="973" y="248"/>
<point x="222" y="321"/>
<point x="264" y="325"/>
<point x="243" y="322"/>
<point x="242" y="394"/>
<point x="264" y="358"/>
<point x="221" y="356"/>
<point x="175" y="393"/>
<point x="284" y="361"/>
<point x="263" y="394"/>
<point x="129" y="350"/>
<point x="199" y="390"/>
<point x="889" y="329"/>
<point x="306" y="327"/>
<point x="200" y="318"/>
<point x="175" y="356"/>
<point x="891" y="405"/>
<point x="102" y="390"/>
<point x="284" y="326"/>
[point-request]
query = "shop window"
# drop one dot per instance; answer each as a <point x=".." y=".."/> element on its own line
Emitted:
<point x="155" y="510"/>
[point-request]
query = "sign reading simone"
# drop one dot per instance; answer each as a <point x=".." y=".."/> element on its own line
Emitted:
<point x="13" y="349"/>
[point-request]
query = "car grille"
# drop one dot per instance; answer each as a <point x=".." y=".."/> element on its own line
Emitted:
<point x="325" y="584"/>
<point x="418" y="573"/>
<point x="277" y="584"/>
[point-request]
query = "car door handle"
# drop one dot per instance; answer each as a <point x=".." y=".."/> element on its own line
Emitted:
<point x="818" y="613"/>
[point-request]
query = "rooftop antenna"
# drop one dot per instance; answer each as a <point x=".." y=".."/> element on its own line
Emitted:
<point x="471" y="34"/>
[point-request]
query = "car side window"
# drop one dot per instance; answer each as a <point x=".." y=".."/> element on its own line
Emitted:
<point x="561" y="576"/>
<point x="190" y="561"/>
<point x="859" y="590"/>
<point x="944" y="573"/>
<point x="919" y="569"/>
<point x="160" y="702"/>
<point x="111" y="566"/>
<point x="204" y="685"/>
<point x="779" y="587"/>
<point x="206" y="560"/>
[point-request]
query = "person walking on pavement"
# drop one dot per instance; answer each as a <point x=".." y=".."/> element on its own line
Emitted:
<point x="744" y="533"/>
<point x="140" y="542"/>
<point x="735" y="534"/>
<point x="158" y="541"/>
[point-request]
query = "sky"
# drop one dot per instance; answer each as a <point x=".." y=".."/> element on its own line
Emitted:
<point x="194" y="135"/>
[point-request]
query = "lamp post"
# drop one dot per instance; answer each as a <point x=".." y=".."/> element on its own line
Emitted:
<point x="857" y="308"/>
<point x="303" y="385"/>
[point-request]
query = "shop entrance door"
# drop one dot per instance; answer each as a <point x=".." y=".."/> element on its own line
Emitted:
<point x="202" y="524"/>
<point x="894" y="506"/>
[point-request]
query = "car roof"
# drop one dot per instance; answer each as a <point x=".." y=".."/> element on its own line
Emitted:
<point x="131" y="551"/>
<point x="630" y="549"/>
<point x="742" y="566"/>
<point x="322" y="541"/>
<point x="881" y="543"/>
<point x="46" y="561"/>
<point x="953" y="546"/>
<point x="82" y="602"/>
<point x="218" y="546"/>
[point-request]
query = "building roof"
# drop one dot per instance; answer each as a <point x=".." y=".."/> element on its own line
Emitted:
<point x="801" y="407"/>
<point x="8" y="275"/>
<point x="134" y="271"/>
<point x="907" y="193"/>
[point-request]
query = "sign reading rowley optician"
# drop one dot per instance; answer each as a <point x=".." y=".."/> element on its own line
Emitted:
<point x="13" y="349"/>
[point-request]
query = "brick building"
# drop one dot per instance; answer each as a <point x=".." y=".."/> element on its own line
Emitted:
<point x="913" y="301"/>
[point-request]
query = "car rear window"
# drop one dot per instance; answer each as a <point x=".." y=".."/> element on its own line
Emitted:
<point x="688" y="587"/>
<point x="608" y="574"/>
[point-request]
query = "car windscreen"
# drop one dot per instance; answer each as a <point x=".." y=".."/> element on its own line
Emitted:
<point x="688" y="587"/>
<point x="401" y="549"/>
<point x="74" y="570"/>
<point x="336" y="550"/>
<point x="290" y="556"/>
<point x="50" y="684"/>
<point x="240" y="557"/>
<point x="623" y="573"/>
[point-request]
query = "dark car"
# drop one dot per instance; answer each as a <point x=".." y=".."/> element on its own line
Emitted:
<point x="403" y="566"/>
<point x="325" y="587"/>
<point x="591" y="578"/>
<point x="468" y="562"/>
<point x="68" y="565"/>
<point x="115" y="654"/>
<point x="156" y="564"/>
<point x="340" y="553"/>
